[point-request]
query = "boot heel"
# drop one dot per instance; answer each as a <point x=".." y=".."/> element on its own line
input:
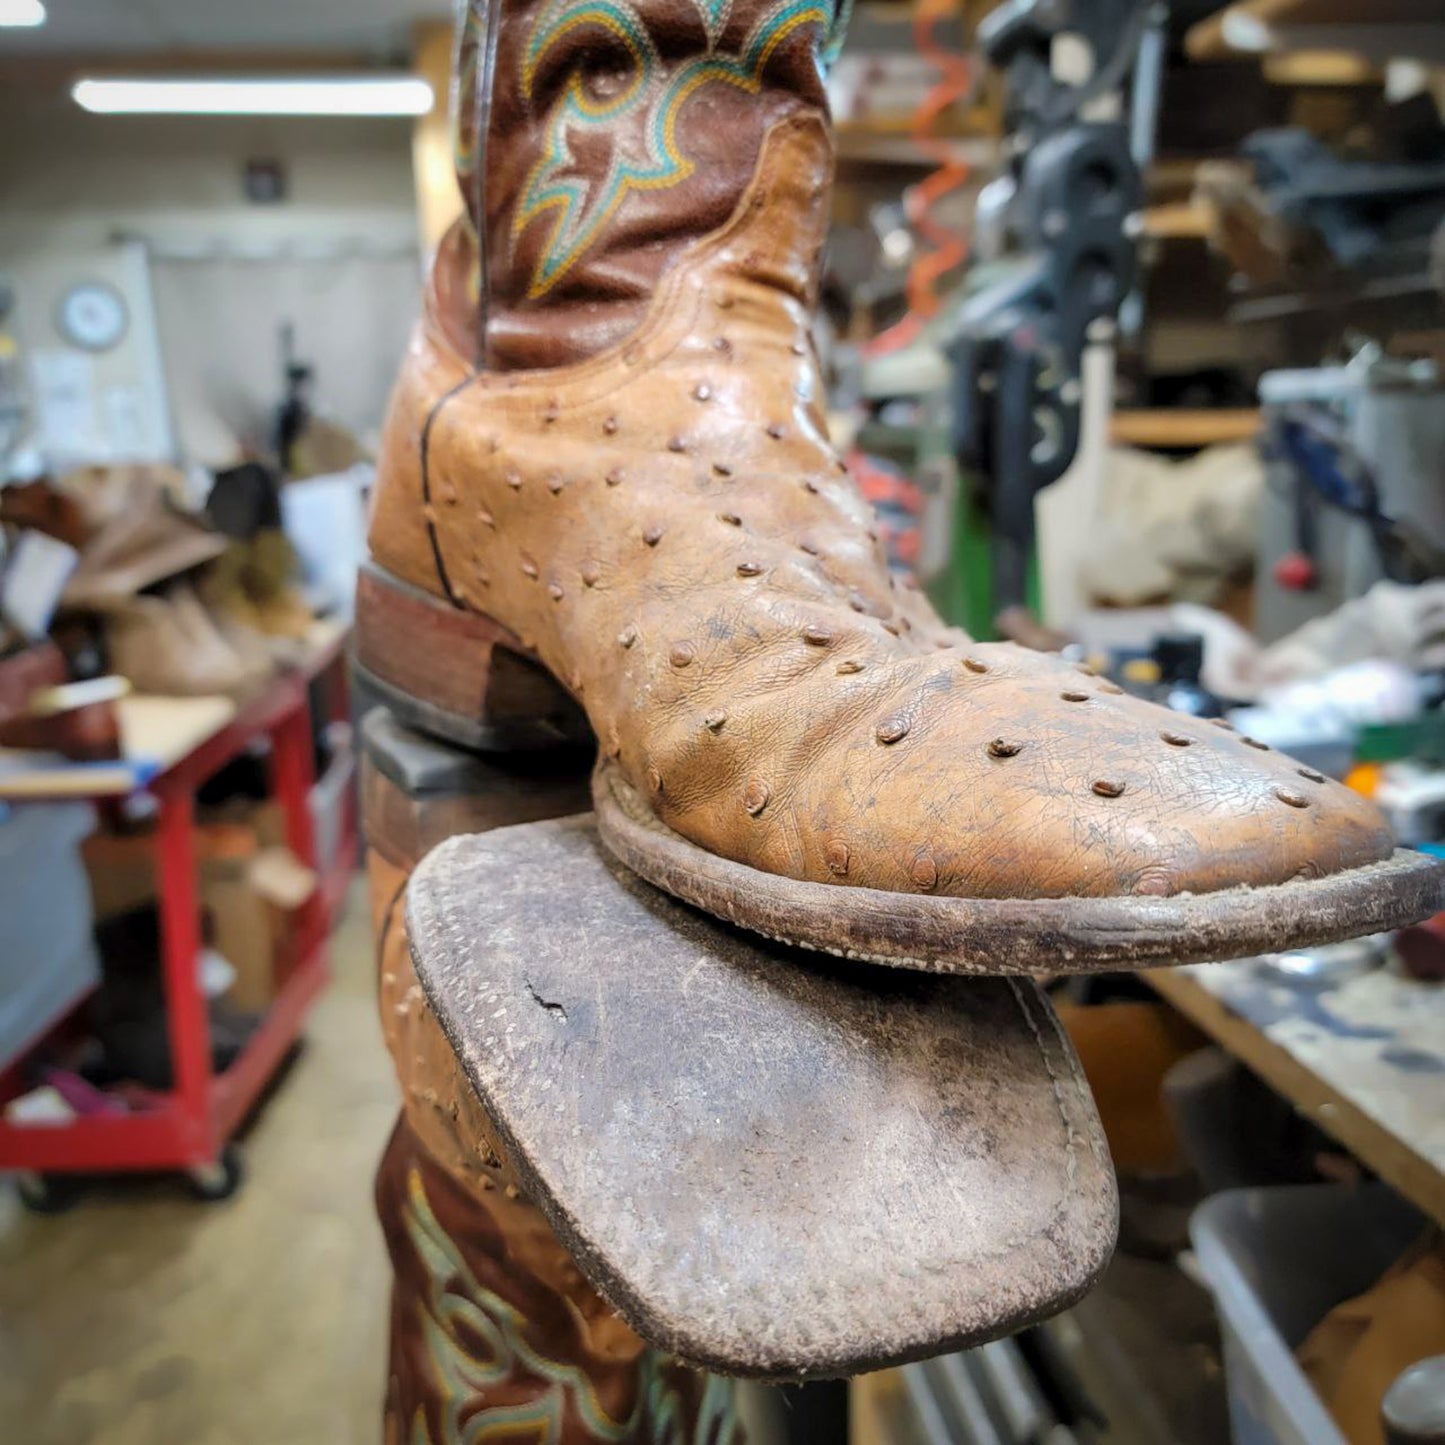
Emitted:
<point x="417" y="792"/>
<point x="456" y="675"/>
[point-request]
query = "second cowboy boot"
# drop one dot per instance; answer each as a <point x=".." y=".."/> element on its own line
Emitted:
<point x="494" y="1330"/>
<point x="606" y="482"/>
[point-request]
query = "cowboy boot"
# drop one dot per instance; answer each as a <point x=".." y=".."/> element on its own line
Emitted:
<point x="606" y="461"/>
<point x="469" y="1250"/>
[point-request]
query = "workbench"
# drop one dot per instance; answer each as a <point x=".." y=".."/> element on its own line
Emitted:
<point x="1364" y="1058"/>
<point x="170" y="746"/>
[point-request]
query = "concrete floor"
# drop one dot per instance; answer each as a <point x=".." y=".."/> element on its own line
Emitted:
<point x="145" y="1318"/>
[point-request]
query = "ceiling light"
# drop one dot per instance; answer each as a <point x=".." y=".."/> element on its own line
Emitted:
<point x="256" y="95"/>
<point x="21" y="13"/>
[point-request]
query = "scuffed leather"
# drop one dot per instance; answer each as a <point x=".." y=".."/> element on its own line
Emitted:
<point x="448" y="1121"/>
<point x="442" y="1110"/>
<point x="667" y="528"/>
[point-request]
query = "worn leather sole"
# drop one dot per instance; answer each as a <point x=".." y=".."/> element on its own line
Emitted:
<point x="1012" y="936"/>
<point x="770" y="1164"/>
<point x="455" y="674"/>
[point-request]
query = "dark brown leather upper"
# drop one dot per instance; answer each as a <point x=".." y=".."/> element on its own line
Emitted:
<point x="666" y="527"/>
<point x="617" y="132"/>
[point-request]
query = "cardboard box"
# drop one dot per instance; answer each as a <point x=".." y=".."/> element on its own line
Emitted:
<point x="250" y="887"/>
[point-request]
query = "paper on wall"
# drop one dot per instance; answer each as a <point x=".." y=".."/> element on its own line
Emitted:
<point x="65" y="402"/>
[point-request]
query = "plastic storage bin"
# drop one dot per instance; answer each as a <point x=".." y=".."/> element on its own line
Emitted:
<point x="48" y="960"/>
<point x="1278" y="1260"/>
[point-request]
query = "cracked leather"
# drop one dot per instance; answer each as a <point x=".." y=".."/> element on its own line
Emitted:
<point x="771" y="1163"/>
<point x="666" y="527"/>
<point x="448" y="1119"/>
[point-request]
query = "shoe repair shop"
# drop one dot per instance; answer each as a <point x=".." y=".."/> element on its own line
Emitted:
<point x="722" y="722"/>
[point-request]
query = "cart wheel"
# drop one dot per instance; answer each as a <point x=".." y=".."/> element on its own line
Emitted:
<point x="213" y="1182"/>
<point x="47" y="1193"/>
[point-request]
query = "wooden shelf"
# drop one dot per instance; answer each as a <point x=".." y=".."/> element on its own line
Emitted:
<point x="1376" y="29"/>
<point x="1385" y="1116"/>
<point x="1183" y="426"/>
<point x="874" y="145"/>
<point x="1304" y="68"/>
<point x="1175" y="220"/>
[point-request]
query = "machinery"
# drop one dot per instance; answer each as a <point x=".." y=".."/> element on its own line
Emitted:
<point x="1057" y="248"/>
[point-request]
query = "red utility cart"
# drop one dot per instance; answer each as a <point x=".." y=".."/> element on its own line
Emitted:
<point x="190" y="1128"/>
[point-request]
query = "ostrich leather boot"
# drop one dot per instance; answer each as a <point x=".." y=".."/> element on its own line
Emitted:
<point x="607" y="489"/>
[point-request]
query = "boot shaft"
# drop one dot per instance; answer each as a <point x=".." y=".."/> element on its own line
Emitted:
<point x="596" y="139"/>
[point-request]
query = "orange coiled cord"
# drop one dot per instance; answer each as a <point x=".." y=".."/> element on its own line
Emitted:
<point x="954" y="86"/>
<point x="942" y="248"/>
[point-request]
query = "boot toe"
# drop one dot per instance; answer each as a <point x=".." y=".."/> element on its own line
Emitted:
<point x="991" y="772"/>
<point x="1061" y="785"/>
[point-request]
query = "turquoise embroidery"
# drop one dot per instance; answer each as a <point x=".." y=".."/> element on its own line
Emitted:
<point x="466" y="58"/>
<point x="460" y="1302"/>
<point x="580" y="207"/>
<point x="459" y="1305"/>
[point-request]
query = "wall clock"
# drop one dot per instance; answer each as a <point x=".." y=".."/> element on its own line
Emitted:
<point x="93" y="316"/>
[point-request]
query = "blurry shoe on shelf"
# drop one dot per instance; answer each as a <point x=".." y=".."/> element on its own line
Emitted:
<point x="168" y="643"/>
<point x="323" y="448"/>
<point x="144" y="569"/>
<point x="252" y="589"/>
<point x="252" y="584"/>
<point x="41" y="506"/>
<point x="137" y="535"/>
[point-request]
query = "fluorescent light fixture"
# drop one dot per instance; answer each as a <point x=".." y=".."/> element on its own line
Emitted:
<point x="21" y="14"/>
<point x="256" y="95"/>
